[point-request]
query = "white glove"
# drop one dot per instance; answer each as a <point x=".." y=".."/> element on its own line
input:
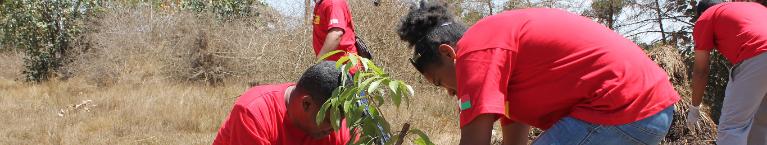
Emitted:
<point x="693" y="116"/>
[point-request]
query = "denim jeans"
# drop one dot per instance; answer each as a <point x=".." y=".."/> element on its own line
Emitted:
<point x="571" y="131"/>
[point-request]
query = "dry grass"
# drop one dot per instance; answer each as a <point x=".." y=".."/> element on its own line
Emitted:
<point x="11" y="63"/>
<point x="148" y="73"/>
<point x="150" y="113"/>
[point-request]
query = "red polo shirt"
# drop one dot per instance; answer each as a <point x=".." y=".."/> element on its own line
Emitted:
<point x="330" y="14"/>
<point x="537" y="66"/>
<point x="737" y="29"/>
<point x="259" y="118"/>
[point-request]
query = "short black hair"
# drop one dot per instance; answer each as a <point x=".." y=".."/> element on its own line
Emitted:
<point x="703" y="5"/>
<point x="427" y="26"/>
<point x="320" y="80"/>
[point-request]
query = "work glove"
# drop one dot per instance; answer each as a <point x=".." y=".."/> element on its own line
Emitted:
<point x="693" y="116"/>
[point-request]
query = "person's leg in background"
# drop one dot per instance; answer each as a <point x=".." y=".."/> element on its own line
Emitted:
<point x="744" y="94"/>
<point x="758" y="135"/>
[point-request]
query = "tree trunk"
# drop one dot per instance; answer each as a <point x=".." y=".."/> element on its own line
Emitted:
<point x="660" y="20"/>
<point x="611" y="15"/>
<point x="490" y="7"/>
<point x="308" y="11"/>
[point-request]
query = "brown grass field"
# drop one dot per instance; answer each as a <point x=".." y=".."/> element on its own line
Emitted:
<point x="153" y="76"/>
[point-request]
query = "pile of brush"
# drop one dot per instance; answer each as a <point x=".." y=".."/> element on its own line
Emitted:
<point x="672" y="60"/>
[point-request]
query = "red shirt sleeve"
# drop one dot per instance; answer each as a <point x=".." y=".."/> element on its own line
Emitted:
<point x="483" y="77"/>
<point x="240" y="129"/>
<point x="703" y="32"/>
<point x="337" y="14"/>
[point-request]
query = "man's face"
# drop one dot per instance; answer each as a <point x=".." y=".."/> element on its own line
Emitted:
<point x="310" y="114"/>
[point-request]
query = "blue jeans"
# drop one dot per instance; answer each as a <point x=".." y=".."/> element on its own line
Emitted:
<point x="571" y="131"/>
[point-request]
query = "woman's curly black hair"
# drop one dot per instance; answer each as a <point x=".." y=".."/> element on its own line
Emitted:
<point x="425" y="28"/>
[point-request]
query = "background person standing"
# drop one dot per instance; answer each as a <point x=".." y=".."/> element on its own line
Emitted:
<point x="332" y="28"/>
<point x="738" y="30"/>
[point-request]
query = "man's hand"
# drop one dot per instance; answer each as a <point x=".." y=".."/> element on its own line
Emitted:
<point x="693" y="116"/>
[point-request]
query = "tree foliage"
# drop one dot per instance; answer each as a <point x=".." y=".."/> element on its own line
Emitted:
<point x="606" y="11"/>
<point x="224" y="9"/>
<point x="45" y="30"/>
<point x="359" y="102"/>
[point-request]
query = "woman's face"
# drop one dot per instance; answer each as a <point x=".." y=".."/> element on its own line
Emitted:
<point x="443" y="75"/>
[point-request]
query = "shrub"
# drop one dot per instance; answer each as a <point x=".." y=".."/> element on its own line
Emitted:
<point x="45" y="30"/>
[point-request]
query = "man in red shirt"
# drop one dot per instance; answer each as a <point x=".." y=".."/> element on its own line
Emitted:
<point x="738" y="30"/>
<point x="547" y="68"/>
<point x="332" y="28"/>
<point x="284" y="114"/>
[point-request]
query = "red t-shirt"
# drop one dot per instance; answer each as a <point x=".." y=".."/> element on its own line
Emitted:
<point x="737" y="29"/>
<point x="537" y="66"/>
<point x="333" y="14"/>
<point x="259" y="118"/>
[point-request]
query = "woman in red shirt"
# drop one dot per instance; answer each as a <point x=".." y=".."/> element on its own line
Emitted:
<point x="547" y="68"/>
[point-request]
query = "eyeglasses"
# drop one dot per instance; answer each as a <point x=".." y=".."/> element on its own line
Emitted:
<point x="414" y="59"/>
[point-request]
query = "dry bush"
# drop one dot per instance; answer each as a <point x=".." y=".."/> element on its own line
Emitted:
<point x="138" y="44"/>
<point x="671" y="60"/>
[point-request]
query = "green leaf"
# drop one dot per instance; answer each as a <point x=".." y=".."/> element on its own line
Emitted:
<point x="348" y="106"/>
<point x="406" y="91"/>
<point x="365" y="63"/>
<point x="335" y="93"/>
<point x="344" y="77"/>
<point x="373" y="111"/>
<point x="369" y="127"/>
<point x="374" y="85"/>
<point x="354" y="59"/>
<point x="367" y="81"/>
<point x="321" y="113"/>
<point x="379" y="99"/>
<point x="341" y="61"/>
<point x="409" y="89"/>
<point x="393" y="85"/>
<point x="375" y="68"/>
<point x="359" y="76"/>
<point x="396" y="95"/>
<point x="335" y="118"/>
<point x="423" y="139"/>
<point x="349" y="94"/>
<point x="385" y="124"/>
<point x="326" y="55"/>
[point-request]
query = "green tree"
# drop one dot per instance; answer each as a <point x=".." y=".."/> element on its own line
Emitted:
<point x="365" y="119"/>
<point x="226" y="10"/>
<point x="44" y="30"/>
<point x="606" y="11"/>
